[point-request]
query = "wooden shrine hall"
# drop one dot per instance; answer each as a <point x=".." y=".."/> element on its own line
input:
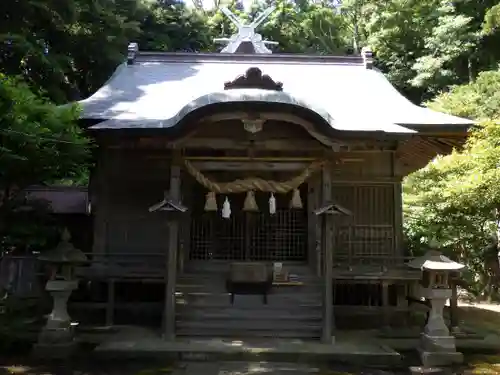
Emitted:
<point x="246" y="193"/>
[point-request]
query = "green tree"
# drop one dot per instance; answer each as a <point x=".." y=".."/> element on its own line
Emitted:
<point x="171" y="27"/>
<point x="455" y="199"/>
<point x="39" y="142"/>
<point x="66" y="49"/>
<point x="447" y="49"/>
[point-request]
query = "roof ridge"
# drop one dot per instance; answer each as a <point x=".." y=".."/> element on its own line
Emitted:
<point x="143" y="56"/>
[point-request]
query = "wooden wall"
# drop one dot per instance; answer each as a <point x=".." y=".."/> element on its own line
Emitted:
<point x="125" y="185"/>
<point x="367" y="185"/>
<point x="371" y="230"/>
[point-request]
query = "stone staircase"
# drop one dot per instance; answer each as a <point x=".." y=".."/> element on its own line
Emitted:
<point x="203" y="306"/>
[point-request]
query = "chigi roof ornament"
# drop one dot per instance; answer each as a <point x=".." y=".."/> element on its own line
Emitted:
<point x="246" y="40"/>
<point x="132" y="50"/>
<point x="367" y="54"/>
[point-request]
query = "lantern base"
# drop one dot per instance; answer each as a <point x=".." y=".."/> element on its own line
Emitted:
<point x="439" y="351"/>
<point x="57" y="338"/>
<point x="49" y="345"/>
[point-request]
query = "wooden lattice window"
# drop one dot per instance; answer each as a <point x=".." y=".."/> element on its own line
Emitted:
<point x="369" y="235"/>
<point x="256" y="236"/>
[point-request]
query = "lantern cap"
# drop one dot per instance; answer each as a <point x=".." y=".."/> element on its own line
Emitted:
<point x="435" y="260"/>
<point x="64" y="252"/>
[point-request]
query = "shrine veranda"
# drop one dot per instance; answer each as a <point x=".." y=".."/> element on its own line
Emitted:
<point x="209" y="160"/>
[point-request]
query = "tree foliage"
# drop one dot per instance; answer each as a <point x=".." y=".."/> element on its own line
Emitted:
<point x="455" y="199"/>
<point x="68" y="49"/>
<point x="39" y="143"/>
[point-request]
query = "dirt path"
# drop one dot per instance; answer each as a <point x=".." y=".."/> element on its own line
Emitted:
<point x="483" y="306"/>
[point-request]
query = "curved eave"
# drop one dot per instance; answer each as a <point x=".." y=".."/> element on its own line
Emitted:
<point x="159" y="94"/>
<point x="239" y="98"/>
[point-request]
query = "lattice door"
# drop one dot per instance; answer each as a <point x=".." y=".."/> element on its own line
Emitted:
<point x="250" y="235"/>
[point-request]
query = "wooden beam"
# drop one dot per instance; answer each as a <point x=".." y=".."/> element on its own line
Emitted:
<point x="248" y="159"/>
<point x="268" y="144"/>
<point x="327" y="247"/>
<point x="248" y="166"/>
<point x="285" y="117"/>
<point x="171" y="263"/>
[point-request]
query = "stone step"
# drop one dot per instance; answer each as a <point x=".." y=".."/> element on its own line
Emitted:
<point x="251" y="325"/>
<point x="221" y="275"/>
<point x="220" y="282"/>
<point x="254" y="314"/>
<point x="223" y="299"/>
<point x="200" y="288"/>
<point x="204" y="267"/>
<point x="255" y="368"/>
<point x="284" y="296"/>
<point x="207" y="351"/>
<point x="239" y="333"/>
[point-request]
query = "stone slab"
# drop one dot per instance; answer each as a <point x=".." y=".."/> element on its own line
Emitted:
<point x="344" y="350"/>
<point x="240" y="368"/>
<point x="435" y="359"/>
<point x="55" y="351"/>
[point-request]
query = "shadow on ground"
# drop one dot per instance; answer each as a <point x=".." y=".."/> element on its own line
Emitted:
<point x="85" y="368"/>
<point x="484" y="320"/>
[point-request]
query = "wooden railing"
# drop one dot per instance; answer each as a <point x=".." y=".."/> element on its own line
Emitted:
<point x="118" y="266"/>
<point x="380" y="261"/>
<point x="360" y="241"/>
<point x="24" y="275"/>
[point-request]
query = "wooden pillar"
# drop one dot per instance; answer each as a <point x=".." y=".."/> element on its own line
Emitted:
<point x="385" y="303"/>
<point x="185" y="230"/>
<point x="327" y="250"/>
<point x="398" y="206"/>
<point x="311" y="226"/>
<point x="171" y="258"/>
<point x="398" y="218"/>
<point x="99" y="193"/>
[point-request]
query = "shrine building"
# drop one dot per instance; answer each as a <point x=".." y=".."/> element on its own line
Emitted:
<point x="252" y="194"/>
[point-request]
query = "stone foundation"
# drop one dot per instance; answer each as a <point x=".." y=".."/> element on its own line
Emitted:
<point x="438" y="351"/>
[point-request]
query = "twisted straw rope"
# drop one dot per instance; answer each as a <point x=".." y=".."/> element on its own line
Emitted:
<point x="253" y="183"/>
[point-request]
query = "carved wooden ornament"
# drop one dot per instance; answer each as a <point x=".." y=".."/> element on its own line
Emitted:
<point x="254" y="79"/>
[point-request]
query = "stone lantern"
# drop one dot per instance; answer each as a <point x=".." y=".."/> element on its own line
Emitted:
<point x="437" y="347"/>
<point x="57" y="337"/>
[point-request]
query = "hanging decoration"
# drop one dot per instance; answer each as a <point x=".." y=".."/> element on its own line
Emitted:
<point x="272" y="204"/>
<point x="250" y="204"/>
<point x="211" y="202"/>
<point x="226" y="209"/>
<point x="296" y="201"/>
<point x="250" y="185"/>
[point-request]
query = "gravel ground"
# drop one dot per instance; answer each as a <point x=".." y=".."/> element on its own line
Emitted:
<point x="82" y="367"/>
<point x="222" y="368"/>
<point x="475" y="364"/>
